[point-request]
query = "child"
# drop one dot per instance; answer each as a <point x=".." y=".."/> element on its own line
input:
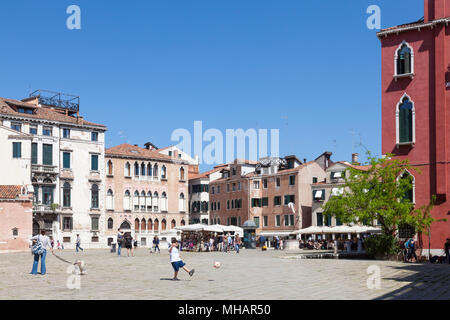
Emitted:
<point x="176" y="261"/>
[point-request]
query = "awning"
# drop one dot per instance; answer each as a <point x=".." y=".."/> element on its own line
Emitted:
<point x="276" y="233"/>
<point x="338" y="229"/>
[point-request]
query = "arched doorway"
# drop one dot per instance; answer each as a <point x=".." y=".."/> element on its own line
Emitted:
<point x="125" y="225"/>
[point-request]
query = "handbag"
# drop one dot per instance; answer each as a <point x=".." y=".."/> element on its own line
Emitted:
<point x="37" y="248"/>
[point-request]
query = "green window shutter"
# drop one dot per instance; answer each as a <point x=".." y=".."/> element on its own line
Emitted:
<point x="47" y="154"/>
<point x="405" y="123"/>
<point x="17" y="149"/>
<point x="320" y="219"/>
<point x="66" y="160"/>
<point x="94" y="162"/>
<point x="34" y="151"/>
<point x="286" y="200"/>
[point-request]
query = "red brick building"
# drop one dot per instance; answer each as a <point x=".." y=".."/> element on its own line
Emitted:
<point x="415" y="97"/>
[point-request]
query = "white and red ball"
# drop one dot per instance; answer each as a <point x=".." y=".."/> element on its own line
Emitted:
<point x="217" y="265"/>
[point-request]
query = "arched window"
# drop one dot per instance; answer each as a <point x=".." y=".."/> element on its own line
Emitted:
<point x="163" y="172"/>
<point x="94" y="196"/>
<point x="110" y="224"/>
<point x="404" y="60"/>
<point x="143" y="169"/>
<point x="110" y="168"/>
<point x="155" y="171"/>
<point x="409" y="180"/>
<point x="405" y="119"/>
<point x="155" y="200"/>
<point x="142" y="201"/>
<point x="173" y="224"/>
<point x="143" y="225"/>
<point x="163" y="225"/>
<point x="66" y="195"/>
<point x="182" y="203"/>
<point x="136" y="201"/>
<point x="156" y="226"/>
<point x="109" y="200"/>
<point x="136" y="225"/>
<point x="163" y="202"/>
<point x="148" y="201"/>
<point x="127" y="170"/>
<point x="136" y="169"/>
<point x="149" y="170"/>
<point x="183" y="223"/>
<point x="182" y="173"/>
<point x="149" y="225"/>
<point x="127" y="201"/>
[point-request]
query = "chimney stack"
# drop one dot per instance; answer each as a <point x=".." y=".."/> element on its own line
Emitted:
<point x="355" y="158"/>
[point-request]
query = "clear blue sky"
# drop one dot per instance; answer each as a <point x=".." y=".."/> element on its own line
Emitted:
<point x="145" y="68"/>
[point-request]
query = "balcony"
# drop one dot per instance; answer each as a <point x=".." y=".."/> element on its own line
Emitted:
<point x="43" y="208"/>
<point x="37" y="168"/>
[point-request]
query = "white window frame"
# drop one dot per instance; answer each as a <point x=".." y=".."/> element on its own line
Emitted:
<point x="396" y="75"/>
<point x="397" y="121"/>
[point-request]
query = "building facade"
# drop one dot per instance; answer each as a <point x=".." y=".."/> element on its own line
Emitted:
<point x="146" y="193"/>
<point x="274" y="193"/>
<point x="415" y="96"/>
<point x="67" y="166"/>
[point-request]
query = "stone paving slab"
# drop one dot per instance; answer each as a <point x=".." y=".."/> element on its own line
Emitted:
<point x="252" y="274"/>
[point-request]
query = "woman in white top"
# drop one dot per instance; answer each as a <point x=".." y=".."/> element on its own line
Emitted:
<point x="45" y="243"/>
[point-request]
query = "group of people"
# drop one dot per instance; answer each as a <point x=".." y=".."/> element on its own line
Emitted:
<point x="218" y="243"/>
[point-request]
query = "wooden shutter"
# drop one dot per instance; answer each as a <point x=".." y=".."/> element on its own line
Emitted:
<point x="34" y="147"/>
<point x="405" y="123"/>
<point x="47" y="154"/>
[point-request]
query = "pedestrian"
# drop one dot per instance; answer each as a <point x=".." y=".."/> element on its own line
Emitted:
<point x="277" y="243"/>
<point x="78" y="243"/>
<point x="135" y="244"/>
<point x="129" y="244"/>
<point x="119" y="241"/>
<point x="230" y="242"/>
<point x="176" y="261"/>
<point x="45" y="243"/>
<point x="156" y="244"/>
<point x="211" y="244"/>
<point x="405" y="250"/>
<point x="412" y="250"/>
<point x="447" y="250"/>
<point x="237" y="243"/>
<point x="220" y="244"/>
<point x="58" y="245"/>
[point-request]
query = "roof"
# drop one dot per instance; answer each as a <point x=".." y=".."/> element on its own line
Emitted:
<point x="42" y="113"/>
<point x="405" y="25"/>
<point x="10" y="192"/>
<point x="128" y="150"/>
<point x="419" y="24"/>
<point x="357" y="167"/>
<point x="207" y="173"/>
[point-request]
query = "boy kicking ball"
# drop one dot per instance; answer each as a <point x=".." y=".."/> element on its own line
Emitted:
<point x="176" y="261"/>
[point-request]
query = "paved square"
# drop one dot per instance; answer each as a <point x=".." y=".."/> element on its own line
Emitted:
<point x="250" y="275"/>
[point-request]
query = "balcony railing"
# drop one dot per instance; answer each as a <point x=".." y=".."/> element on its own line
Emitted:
<point x="43" y="208"/>
<point x="43" y="168"/>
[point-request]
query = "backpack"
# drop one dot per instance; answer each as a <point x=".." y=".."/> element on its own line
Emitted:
<point x="407" y="244"/>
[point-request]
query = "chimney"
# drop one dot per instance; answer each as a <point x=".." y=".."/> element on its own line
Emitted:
<point x="436" y="9"/>
<point x="80" y="120"/>
<point x="355" y="158"/>
<point x="304" y="160"/>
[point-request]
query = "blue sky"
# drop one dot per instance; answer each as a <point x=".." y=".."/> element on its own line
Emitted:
<point x="146" y="68"/>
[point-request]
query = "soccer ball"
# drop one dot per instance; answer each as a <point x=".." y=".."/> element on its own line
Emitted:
<point x="217" y="265"/>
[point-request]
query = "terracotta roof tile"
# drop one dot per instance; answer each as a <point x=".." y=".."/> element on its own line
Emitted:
<point x="10" y="192"/>
<point x="207" y="173"/>
<point x="136" y="152"/>
<point x="44" y="113"/>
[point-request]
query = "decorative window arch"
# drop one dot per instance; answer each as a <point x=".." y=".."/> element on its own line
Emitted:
<point x="136" y="201"/>
<point x="404" y="60"/>
<point x="136" y="169"/>
<point x="110" y="168"/>
<point x="173" y="224"/>
<point x="163" y="201"/>
<point x="127" y="201"/>
<point x="155" y="201"/>
<point x="183" y="223"/>
<point x="110" y="224"/>
<point x="136" y="225"/>
<point x="163" y="225"/>
<point x="149" y="170"/>
<point x="156" y="226"/>
<point x="410" y="195"/>
<point x="405" y="119"/>
<point x="110" y="200"/>
<point x="125" y="225"/>
<point x="127" y="171"/>
<point x="163" y="172"/>
<point x="143" y="169"/>
<point x="143" y="225"/>
<point x="149" y="225"/>
<point x="155" y="171"/>
<point x="182" y="203"/>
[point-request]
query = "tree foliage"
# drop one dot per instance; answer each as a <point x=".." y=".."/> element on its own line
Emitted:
<point x="380" y="193"/>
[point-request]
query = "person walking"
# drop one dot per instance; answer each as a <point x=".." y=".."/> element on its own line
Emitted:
<point x="45" y="243"/>
<point x="230" y="242"/>
<point x="412" y="250"/>
<point x="78" y="243"/>
<point x="119" y="241"/>
<point x="129" y="244"/>
<point x="220" y="244"/>
<point x="447" y="250"/>
<point x="237" y="243"/>
<point x="156" y="244"/>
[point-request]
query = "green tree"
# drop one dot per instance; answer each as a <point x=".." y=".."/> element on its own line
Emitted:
<point x="381" y="192"/>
